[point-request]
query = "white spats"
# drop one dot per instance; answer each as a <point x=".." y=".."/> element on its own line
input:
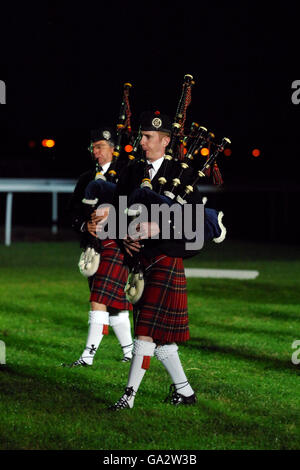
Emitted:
<point x="168" y="355"/>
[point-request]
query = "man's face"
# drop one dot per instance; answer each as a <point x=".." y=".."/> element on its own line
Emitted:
<point x="102" y="152"/>
<point x="154" y="144"/>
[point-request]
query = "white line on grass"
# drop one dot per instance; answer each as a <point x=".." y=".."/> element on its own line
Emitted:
<point x="221" y="273"/>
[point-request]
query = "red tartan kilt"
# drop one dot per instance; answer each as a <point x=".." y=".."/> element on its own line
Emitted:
<point x="110" y="279"/>
<point x="162" y="310"/>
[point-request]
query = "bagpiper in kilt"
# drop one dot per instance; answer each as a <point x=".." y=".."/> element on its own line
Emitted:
<point x="109" y="305"/>
<point x="160" y="315"/>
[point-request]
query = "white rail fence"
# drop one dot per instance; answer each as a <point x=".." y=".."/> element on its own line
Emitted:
<point x="30" y="185"/>
<point x="34" y="185"/>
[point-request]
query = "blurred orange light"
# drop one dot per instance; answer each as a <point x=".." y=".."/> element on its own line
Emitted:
<point x="48" y="143"/>
<point x="128" y="148"/>
<point x="227" y="152"/>
<point x="185" y="151"/>
<point x="204" y="151"/>
<point x="256" y="153"/>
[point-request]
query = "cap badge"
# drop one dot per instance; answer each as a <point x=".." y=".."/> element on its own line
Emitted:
<point x="106" y="135"/>
<point x="156" y="122"/>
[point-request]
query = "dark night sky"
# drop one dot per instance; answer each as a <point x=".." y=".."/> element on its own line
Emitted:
<point x="64" y="67"/>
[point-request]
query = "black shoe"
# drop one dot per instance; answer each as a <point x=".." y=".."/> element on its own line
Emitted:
<point x="126" y="359"/>
<point x="79" y="363"/>
<point x="122" y="404"/>
<point x="176" y="398"/>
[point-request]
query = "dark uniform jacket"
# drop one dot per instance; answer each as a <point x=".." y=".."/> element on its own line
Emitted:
<point x="75" y="210"/>
<point x="131" y="178"/>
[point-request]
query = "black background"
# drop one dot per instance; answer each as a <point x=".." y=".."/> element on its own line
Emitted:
<point x="64" y="65"/>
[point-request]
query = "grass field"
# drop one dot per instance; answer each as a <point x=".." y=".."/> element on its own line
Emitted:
<point x="238" y="359"/>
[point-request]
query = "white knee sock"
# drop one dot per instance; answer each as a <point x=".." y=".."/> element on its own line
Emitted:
<point x="168" y="355"/>
<point x="142" y="353"/>
<point x="98" y="326"/>
<point x="121" y="325"/>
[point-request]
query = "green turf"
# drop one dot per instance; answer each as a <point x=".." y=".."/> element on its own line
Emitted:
<point x="238" y="358"/>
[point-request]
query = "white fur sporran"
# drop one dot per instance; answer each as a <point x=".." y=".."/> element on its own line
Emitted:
<point x="134" y="287"/>
<point x="89" y="262"/>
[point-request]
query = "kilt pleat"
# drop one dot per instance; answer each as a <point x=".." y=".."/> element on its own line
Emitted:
<point x="108" y="284"/>
<point x="162" y="311"/>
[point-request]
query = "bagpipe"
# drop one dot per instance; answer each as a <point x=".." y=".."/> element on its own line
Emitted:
<point x="123" y="129"/>
<point x="183" y="152"/>
<point x="178" y="184"/>
<point x="134" y="148"/>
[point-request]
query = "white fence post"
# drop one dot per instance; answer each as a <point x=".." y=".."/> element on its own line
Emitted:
<point x="54" y="213"/>
<point x="8" y="217"/>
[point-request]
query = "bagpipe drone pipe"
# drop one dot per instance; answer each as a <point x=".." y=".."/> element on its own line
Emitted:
<point x="101" y="189"/>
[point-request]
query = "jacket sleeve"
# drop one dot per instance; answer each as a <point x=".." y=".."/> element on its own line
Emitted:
<point x="75" y="209"/>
